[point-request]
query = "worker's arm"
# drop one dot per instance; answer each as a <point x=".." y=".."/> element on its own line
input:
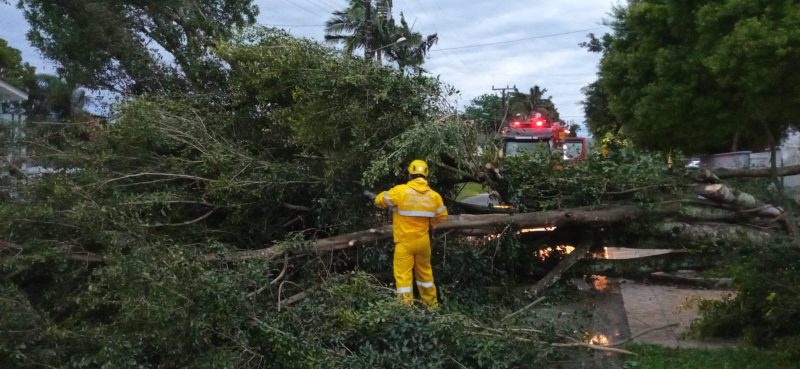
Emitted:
<point x="441" y="212"/>
<point x="386" y="199"/>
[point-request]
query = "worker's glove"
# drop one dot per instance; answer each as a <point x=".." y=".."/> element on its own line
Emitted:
<point x="370" y="194"/>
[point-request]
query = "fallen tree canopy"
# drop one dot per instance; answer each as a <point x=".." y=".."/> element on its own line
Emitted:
<point x="197" y="231"/>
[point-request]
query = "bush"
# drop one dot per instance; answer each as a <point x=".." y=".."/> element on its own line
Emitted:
<point x="766" y="308"/>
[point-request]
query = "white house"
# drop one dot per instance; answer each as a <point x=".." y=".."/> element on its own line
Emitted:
<point x="9" y="94"/>
<point x="12" y="119"/>
<point x="788" y="153"/>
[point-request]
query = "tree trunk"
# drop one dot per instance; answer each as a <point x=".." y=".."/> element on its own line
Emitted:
<point x="640" y="267"/>
<point x="491" y="223"/>
<point x="725" y="195"/>
<point x="482" y="224"/>
<point x="368" y="49"/>
<point x="672" y="233"/>
<point x="758" y="172"/>
<point x="735" y="142"/>
<point x="581" y="248"/>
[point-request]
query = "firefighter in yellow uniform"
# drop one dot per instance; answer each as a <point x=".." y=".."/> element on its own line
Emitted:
<point x="415" y="208"/>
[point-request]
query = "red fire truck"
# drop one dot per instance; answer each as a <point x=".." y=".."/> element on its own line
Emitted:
<point x="539" y="133"/>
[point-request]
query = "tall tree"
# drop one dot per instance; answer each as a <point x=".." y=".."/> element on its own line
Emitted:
<point x="486" y="111"/>
<point x="13" y="69"/>
<point x="534" y="101"/>
<point x="696" y="75"/>
<point x="351" y="28"/>
<point x="378" y="36"/>
<point x="599" y="119"/>
<point x="134" y="47"/>
<point x="412" y="51"/>
<point x="54" y="98"/>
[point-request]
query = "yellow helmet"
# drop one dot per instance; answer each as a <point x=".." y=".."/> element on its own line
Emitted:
<point x="418" y="167"/>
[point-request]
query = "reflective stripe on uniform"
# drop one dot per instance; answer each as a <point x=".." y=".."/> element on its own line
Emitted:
<point x="425" y="284"/>
<point x="417" y="213"/>
<point x="404" y="290"/>
<point x="440" y="210"/>
<point x="386" y="198"/>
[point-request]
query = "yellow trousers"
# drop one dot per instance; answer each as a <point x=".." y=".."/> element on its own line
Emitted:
<point x="414" y="255"/>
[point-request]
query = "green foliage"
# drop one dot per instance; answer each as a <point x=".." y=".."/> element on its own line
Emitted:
<point x="410" y="53"/>
<point x="655" y="357"/>
<point x="599" y="119"/>
<point x="533" y="101"/>
<point x="105" y="262"/>
<point x="766" y="308"/>
<point x="13" y="69"/>
<point x="166" y="308"/>
<point x="53" y="99"/>
<point x="487" y="111"/>
<point x="448" y="139"/>
<point x="693" y="76"/>
<point x="541" y="180"/>
<point x="114" y="45"/>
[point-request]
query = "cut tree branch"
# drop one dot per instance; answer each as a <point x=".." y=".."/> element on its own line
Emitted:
<point x="581" y="248"/>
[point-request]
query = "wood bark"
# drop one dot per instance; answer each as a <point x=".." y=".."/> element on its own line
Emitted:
<point x="644" y="266"/>
<point x="725" y="195"/>
<point x="789" y="170"/>
<point x="485" y="224"/>
<point x="672" y="233"/>
<point x="581" y="248"/>
<point x="707" y="232"/>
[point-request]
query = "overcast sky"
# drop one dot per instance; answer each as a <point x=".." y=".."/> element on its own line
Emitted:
<point x="481" y="43"/>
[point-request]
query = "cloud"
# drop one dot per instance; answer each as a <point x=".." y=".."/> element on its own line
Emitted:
<point x="13" y="29"/>
<point x="556" y="63"/>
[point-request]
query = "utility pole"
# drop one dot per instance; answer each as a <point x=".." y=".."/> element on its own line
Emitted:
<point x="503" y="89"/>
<point x="504" y="102"/>
<point x="368" y="52"/>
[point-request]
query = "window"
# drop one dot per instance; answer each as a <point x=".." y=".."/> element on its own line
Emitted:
<point x="513" y="148"/>
<point x="573" y="150"/>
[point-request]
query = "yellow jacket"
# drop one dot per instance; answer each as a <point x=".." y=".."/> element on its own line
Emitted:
<point x="415" y="207"/>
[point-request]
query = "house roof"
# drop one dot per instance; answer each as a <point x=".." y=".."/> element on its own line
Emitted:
<point x="11" y="93"/>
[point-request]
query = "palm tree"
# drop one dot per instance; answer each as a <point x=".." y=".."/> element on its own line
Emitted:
<point x="347" y="27"/>
<point x="411" y="52"/>
<point x="351" y="27"/>
<point x="379" y="35"/>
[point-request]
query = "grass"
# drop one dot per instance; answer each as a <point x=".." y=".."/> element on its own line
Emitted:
<point x="655" y="357"/>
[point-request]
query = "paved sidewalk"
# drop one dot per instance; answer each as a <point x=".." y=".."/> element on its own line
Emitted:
<point x="649" y="306"/>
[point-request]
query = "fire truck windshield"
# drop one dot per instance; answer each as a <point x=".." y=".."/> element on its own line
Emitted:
<point x="513" y="148"/>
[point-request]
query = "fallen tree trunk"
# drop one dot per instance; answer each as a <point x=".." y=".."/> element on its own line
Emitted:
<point x="748" y="203"/>
<point x="556" y="218"/>
<point x="491" y="223"/>
<point x="687" y="234"/>
<point x="643" y="266"/>
<point x="759" y="172"/>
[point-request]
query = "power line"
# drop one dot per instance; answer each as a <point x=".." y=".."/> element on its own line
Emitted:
<point x="325" y="7"/>
<point x="518" y="40"/>
<point x="294" y="25"/>
<point x="334" y="5"/>
<point x="304" y="8"/>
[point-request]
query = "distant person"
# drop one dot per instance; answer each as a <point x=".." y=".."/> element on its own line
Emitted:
<point x="415" y="209"/>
